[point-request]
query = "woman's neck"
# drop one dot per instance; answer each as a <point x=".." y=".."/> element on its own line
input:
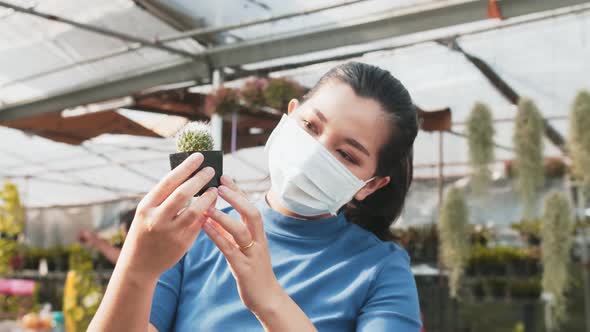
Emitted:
<point x="274" y="202"/>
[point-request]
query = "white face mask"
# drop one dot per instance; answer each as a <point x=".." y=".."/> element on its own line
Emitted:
<point x="306" y="177"/>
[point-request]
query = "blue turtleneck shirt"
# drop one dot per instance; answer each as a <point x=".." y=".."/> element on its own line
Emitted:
<point x="343" y="277"/>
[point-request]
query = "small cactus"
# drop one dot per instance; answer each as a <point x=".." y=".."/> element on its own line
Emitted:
<point x="194" y="136"/>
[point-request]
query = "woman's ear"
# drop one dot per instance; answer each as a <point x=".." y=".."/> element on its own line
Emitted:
<point x="293" y="104"/>
<point x="371" y="187"/>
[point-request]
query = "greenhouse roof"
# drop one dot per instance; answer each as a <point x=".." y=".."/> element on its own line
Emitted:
<point x="541" y="50"/>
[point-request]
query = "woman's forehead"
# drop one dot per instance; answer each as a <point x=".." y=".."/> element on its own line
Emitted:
<point x="350" y="115"/>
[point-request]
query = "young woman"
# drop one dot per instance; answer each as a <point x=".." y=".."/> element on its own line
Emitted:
<point x="313" y="255"/>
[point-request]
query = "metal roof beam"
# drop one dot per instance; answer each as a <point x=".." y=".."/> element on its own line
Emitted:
<point x="121" y="87"/>
<point x="388" y="25"/>
<point x="98" y="30"/>
<point x="391" y="24"/>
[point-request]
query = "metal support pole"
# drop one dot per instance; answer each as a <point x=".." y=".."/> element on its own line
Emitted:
<point x="440" y="184"/>
<point x="234" y="131"/>
<point x="216" y="119"/>
<point x="440" y="169"/>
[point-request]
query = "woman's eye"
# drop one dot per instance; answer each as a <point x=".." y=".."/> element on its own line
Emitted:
<point x="346" y="156"/>
<point x="309" y="126"/>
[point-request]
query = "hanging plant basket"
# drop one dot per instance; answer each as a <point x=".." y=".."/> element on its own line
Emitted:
<point x="579" y="140"/>
<point x="480" y="134"/>
<point x="196" y="137"/>
<point x="280" y="91"/>
<point x="252" y="93"/>
<point x="528" y="148"/>
<point x="222" y="101"/>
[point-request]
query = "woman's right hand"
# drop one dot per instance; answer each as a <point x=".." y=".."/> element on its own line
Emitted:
<point x="164" y="227"/>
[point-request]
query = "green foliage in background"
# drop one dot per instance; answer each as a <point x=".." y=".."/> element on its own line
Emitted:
<point x="579" y="138"/>
<point x="12" y="218"/>
<point x="117" y="239"/>
<point x="195" y="136"/>
<point x="528" y="145"/>
<point x="15" y="304"/>
<point x="82" y="293"/>
<point x="528" y="227"/>
<point x="480" y="137"/>
<point x="279" y="91"/>
<point x="519" y="327"/>
<point x="557" y="238"/>
<point x="453" y="227"/>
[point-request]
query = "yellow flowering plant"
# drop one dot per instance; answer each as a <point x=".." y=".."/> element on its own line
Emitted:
<point x="11" y="224"/>
<point x="82" y="294"/>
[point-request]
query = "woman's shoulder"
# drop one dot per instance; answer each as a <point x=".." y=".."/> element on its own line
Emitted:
<point x="387" y="250"/>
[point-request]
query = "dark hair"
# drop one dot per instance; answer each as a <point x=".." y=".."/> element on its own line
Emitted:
<point x="126" y="218"/>
<point x="378" y="211"/>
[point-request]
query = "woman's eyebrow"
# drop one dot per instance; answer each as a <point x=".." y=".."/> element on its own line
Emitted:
<point x="350" y="141"/>
<point x="320" y="115"/>
<point x="354" y="143"/>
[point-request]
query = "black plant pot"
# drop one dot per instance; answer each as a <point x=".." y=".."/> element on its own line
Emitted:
<point x="212" y="158"/>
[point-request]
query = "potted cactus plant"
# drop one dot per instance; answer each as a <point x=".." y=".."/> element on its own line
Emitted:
<point x="196" y="137"/>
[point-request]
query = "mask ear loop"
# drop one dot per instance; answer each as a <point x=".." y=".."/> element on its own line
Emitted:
<point x="366" y="182"/>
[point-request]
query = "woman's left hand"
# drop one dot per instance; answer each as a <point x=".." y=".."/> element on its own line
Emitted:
<point x="245" y="247"/>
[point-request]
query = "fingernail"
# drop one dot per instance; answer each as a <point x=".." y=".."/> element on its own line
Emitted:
<point x="223" y="189"/>
<point x="195" y="157"/>
<point x="212" y="190"/>
<point x="210" y="210"/>
<point x="209" y="170"/>
<point x="206" y="226"/>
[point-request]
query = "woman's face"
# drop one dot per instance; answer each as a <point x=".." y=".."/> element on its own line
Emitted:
<point x="352" y="128"/>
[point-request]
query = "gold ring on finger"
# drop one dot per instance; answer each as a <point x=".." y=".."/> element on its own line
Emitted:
<point x="244" y="248"/>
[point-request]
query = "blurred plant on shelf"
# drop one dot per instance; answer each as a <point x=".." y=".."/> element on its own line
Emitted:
<point x="528" y="146"/>
<point x="519" y="327"/>
<point x="453" y="227"/>
<point x="117" y="238"/>
<point x="579" y="139"/>
<point x="82" y="293"/>
<point x="498" y="287"/>
<point x="421" y="242"/>
<point x="557" y="238"/>
<point x="480" y="235"/>
<point x="485" y="261"/>
<point x="9" y="304"/>
<point x="13" y="306"/>
<point x="480" y="138"/>
<point x="530" y="230"/>
<point x="525" y="288"/>
<point x="12" y="218"/>
<point x="56" y="257"/>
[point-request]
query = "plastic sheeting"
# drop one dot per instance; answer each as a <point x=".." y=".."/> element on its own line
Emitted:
<point x="545" y="60"/>
<point x="31" y="45"/>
